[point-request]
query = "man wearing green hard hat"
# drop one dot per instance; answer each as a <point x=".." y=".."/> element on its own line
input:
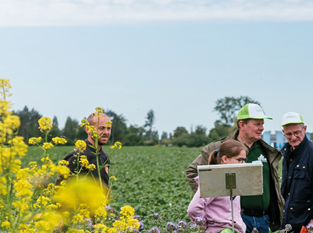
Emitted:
<point x="297" y="182"/>
<point x="259" y="212"/>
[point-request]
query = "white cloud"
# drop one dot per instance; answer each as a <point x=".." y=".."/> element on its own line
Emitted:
<point x="104" y="12"/>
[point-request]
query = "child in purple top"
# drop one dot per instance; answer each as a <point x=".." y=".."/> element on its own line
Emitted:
<point x="216" y="211"/>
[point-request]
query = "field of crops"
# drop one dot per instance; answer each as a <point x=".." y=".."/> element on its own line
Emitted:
<point x="150" y="179"/>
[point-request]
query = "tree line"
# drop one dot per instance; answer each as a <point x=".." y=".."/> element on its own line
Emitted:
<point x="135" y="135"/>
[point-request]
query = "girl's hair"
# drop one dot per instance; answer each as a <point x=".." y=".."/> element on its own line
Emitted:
<point x="230" y="148"/>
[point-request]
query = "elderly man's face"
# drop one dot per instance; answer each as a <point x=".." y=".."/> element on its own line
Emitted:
<point x="253" y="129"/>
<point x="294" y="133"/>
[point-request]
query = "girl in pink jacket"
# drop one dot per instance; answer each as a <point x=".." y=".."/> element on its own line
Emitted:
<point x="215" y="212"/>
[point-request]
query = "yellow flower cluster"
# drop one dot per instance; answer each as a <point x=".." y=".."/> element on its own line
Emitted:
<point x="45" y="123"/>
<point x="58" y="140"/>
<point x="116" y="145"/>
<point x="29" y="203"/>
<point x="126" y="222"/>
<point x="81" y="145"/>
<point x="34" y="140"/>
<point x="47" y="145"/>
<point x="99" y="111"/>
<point x="84" y="123"/>
<point x="83" y="160"/>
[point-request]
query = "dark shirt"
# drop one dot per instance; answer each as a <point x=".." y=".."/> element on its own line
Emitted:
<point x="296" y="187"/>
<point x="258" y="202"/>
<point x="91" y="157"/>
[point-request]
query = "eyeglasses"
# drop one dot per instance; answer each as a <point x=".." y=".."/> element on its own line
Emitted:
<point x="296" y="134"/>
<point x="242" y="160"/>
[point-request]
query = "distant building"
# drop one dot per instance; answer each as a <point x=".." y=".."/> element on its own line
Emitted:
<point x="277" y="140"/>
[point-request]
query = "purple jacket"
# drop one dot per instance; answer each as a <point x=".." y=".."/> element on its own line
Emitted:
<point x="216" y="212"/>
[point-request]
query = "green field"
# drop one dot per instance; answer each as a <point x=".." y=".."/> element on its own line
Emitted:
<point x="150" y="179"/>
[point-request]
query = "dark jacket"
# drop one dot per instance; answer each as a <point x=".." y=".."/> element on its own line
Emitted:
<point x="273" y="156"/>
<point x="91" y="157"/>
<point x="296" y="186"/>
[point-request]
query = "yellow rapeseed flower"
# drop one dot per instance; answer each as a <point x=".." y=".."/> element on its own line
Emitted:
<point x="116" y="144"/>
<point x="12" y="122"/>
<point x="113" y="178"/>
<point x="58" y="140"/>
<point x="112" y="230"/>
<point x="127" y="210"/>
<point x="99" y="111"/>
<point x="34" y="140"/>
<point x="5" y="224"/>
<point x="101" y="212"/>
<point x="47" y="145"/>
<point x="63" y="162"/>
<point x="82" y="192"/>
<point x="84" y="122"/>
<point x="45" y="123"/>
<point x="80" y="145"/>
<point x="19" y="146"/>
<point x="91" y="167"/>
<point x="83" y="161"/>
<point x="23" y="188"/>
<point x="100" y="227"/>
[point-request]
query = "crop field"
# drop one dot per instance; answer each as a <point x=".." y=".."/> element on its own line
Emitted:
<point x="150" y="179"/>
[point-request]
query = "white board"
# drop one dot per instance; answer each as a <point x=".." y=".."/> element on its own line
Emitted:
<point x="249" y="179"/>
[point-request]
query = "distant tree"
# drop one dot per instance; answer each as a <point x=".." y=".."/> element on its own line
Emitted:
<point x="200" y="130"/>
<point x="136" y="130"/>
<point x="29" y="123"/>
<point x="55" y="131"/>
<point x="164" y="136"/>
<point x="81" y="133"/>
<point x="70" y="130"/>
<point x="179" y="131"/>
<point x="228" y="107"/>
<point x="220" y="130"/>
<point x="134" y="136"/>
<point x="149" y="122"/>
<point x="119" y="126"/>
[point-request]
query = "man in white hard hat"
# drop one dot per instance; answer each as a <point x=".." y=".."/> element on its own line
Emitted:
<point x="297" y="182"/>
<point x="262" y="211"/>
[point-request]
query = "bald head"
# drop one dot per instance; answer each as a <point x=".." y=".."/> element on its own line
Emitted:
<point x="93" y="118"/>
<point x="101" y="125"/>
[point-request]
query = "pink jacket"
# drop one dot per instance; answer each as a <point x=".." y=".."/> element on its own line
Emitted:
<point x="216" y="212"/>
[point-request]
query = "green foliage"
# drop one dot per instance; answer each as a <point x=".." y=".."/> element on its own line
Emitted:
<point x="220" y="131"/>
<point x="228" y="107"/>
<point x="133" y="139"/>
<point x="179" y="131"/>
<point x="149" y="123"/>
<point x="119" y="127"/>
<point x="29" y="123"/>
<point x="70" y="130"/>
<point x="55" y="131"/>
<point x="150" y="179"/>
<point x="194" y="139"/>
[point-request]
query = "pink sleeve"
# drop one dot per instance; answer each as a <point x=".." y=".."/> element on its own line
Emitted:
<point x="196" y="206"/>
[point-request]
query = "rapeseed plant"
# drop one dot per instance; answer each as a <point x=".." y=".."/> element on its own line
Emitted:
<point x="30" y="203"/>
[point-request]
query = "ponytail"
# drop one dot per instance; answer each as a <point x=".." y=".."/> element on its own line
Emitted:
<point x="213" y="159"/>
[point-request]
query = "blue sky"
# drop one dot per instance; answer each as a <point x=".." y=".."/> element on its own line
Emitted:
<point x="65" y="58"/>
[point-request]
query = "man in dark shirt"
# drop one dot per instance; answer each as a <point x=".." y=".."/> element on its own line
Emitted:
<point x="296" y="186"/>
<point x="100" y="122"/>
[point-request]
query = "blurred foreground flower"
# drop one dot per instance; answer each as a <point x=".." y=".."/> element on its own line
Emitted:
<point x="80" y="192"/>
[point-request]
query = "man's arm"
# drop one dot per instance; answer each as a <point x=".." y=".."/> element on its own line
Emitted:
<point x="192" y="172"/>
<point x="202" y="159"/>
